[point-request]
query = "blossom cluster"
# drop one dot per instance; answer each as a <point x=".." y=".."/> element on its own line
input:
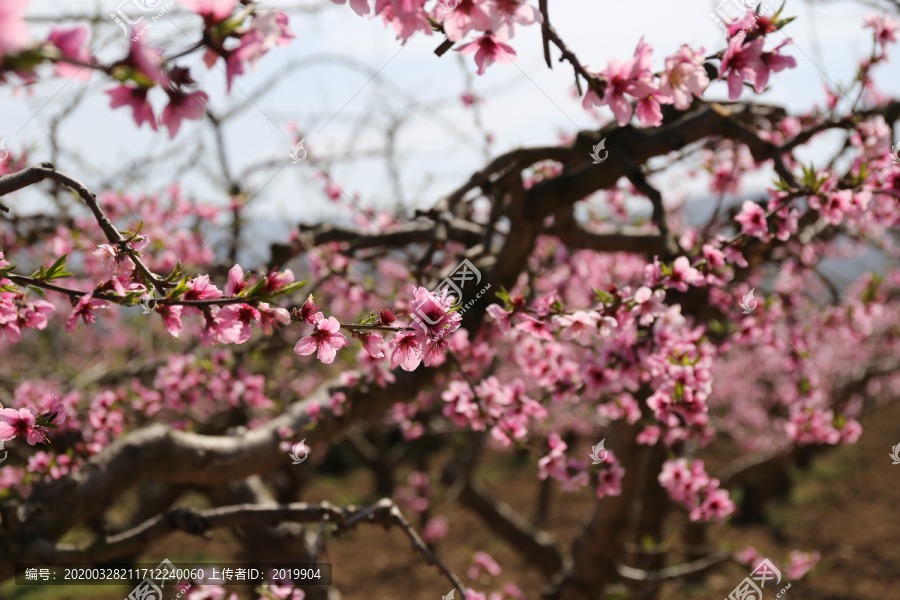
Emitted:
<point x="145" y="67"/>
<point x="687" y="483"/>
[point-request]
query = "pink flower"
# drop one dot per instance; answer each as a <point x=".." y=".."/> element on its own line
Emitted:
<point x="372" y="342"/>
<point x="211" y="10"/>
<point x="171" y="316"/>
<point x="308" y="311"/>
<point x="884" y="28"/>
<point x="554" y="464"/>
<point x="489" y="49"/>
<point x="435" y="529"/>
<point x="325" y="341"/>
<point x="39" y="462"/>
<point x="406" y="16"/>
<point x="578" y="326"/>
<point x="648" y="111"/>
<point x="508" y="13"/>
<point x="136" y="98"/>
<point x="277" y="281"/>
<point x="235" y="323"/>
<point x="13" y="28"/>
<point x="609" y="481"/>
<point x="801" y="563"/>
<point x="56" y="408"/>
<point x="72" y="43"/>
<point x="149" y="62"/>
<point x="684" y="77"/>
<point x="715" y="506"/>
<point x="773" y="62"/>
<point x="431" y="314"/>
<point x="236" y="282"/>
<point x="753" y="220"/>
<point x="468" y="15"/>
<point x="360" y="7"/>
<point x="35" y="314"/>
<point x="269" y="317"/>
<point x="19" y="423"/>
<point x="741" y="62"/>
<point x="631" y="77"/>
<point x="683" y="275"/>
<point x="85" y="309"/>
<point x="483" y="562"/>
<point x="182" y="106"/>
<point x="407" y="351"/>
<point x="648" y="304"/>
<point x="501" y="315"/>
<point x="200" y="288"/>
<point x="268" y="29"/>
<point x="649" y="435"/>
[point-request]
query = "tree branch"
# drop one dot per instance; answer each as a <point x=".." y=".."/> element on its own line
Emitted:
<point x="46" y="170"/>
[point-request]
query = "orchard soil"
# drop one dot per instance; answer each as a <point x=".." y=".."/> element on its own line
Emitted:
<point x="845" y="506"/>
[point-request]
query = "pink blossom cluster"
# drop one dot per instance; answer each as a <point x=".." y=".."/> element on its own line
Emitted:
<point x="491" y="22"/>
<point x="575" y="473"/>
<point x="17" y="314"/>
<point x="266" y="30"/>
<point x="798" y="563"/>
<point x="416" y="495"/>
<point x="503" y="407"/>
<point x="145" y="67"/>
<point x="683" y="79"/>
<point x="29" y="424"/>
<point x="433" y="323"/>
<point x="687" y="483"/>
<point x="482" y="562"/>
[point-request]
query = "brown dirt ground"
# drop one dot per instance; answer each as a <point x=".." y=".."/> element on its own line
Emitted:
<point x="844" y="506"/>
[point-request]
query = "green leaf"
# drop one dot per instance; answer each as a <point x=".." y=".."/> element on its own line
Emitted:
<point x="288" y="289"/>
<point x="60" y="262"/>
<point x="256" y="290"/>
<point x="176" y="272"/>
<point x="369" y="320"/>
<point x="603" y="297"/>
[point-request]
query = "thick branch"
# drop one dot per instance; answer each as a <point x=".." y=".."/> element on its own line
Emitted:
<point x="201" y="522"/>
<point x="676" y="572"/>
<point x="537" y="546"/>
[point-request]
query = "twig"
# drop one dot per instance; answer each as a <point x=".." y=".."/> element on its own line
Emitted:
<point x="46" y="170"/>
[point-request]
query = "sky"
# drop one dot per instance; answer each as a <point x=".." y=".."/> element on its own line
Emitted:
<point x="344" y="81"/>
